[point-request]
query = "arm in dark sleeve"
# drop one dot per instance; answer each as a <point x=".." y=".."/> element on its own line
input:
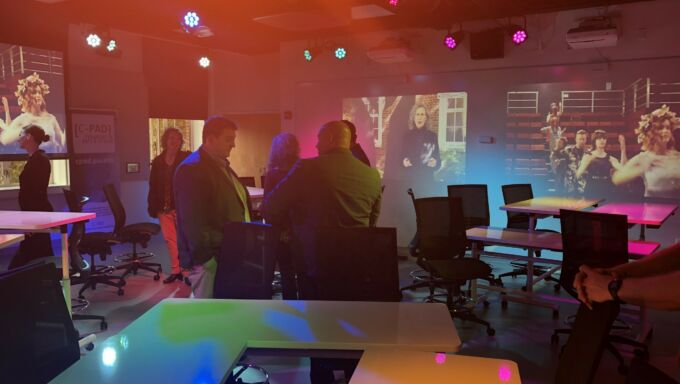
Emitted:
<point x="151" y="197"/>
<point x="375" y="210"/>
<point x="277" y="204"/>
<point x="193" y="200"/>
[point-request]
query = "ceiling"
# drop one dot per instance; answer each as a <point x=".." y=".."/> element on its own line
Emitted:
<point x="259" y="26"/>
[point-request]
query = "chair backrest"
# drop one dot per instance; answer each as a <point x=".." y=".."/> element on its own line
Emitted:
<point x="39" y="340"/>
<point x="595" y="239"/>
<point x="72" y="200"/>
<point x="352" y="264"/>
<point x="441" y="227"/>
<point x="582" y="352"/>
<point x="247" y="181"/>
<point x="513" y="193"/>
<point x="116" y="206"/>
<point x="475" y="199"/>
<point x="245" y="268"/>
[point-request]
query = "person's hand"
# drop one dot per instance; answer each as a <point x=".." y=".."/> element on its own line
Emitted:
<point x="432" y="162"/>
<point x="5" y="104"/>
<point x="407" y="162"/>
<point x="622" y="141"/>
<point x="595" y="285"/>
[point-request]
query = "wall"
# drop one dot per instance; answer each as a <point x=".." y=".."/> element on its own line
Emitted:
<point x="313" y="92"/>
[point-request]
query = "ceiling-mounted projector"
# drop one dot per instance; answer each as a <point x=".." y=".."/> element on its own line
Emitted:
<point x="392" y="50"/>
<point x="593" y="33"/>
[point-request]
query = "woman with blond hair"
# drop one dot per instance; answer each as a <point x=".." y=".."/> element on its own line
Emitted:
<point x="30" y="94"/>
<point x="659" y="162"/>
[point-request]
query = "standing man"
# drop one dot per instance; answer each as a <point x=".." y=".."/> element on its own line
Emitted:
<point x="207" y="194"/>
<point x="575" y="185"/>
<point x="334" y="189"/>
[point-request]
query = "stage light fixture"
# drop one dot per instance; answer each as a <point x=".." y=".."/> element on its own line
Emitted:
<point x="204" y="62"/>
<point x="191" y="19"/>
<point x="394" y="3"/>
<point x="111" y="46"/>
<point x="519" y="35"/>
<point x="340" y="53"/>
<point x="93" y="40"/>
<point x="308" y="55"/>
<point x="453" y="40"/>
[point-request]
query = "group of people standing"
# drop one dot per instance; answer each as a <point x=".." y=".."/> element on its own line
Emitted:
<point x="591" y="171"/>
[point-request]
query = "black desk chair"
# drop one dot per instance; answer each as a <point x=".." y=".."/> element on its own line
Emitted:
<point x="245" y="270"/>
<point x="475" y="203"/>
<point x="601" y="241"/>
<point x="327" y="258"/>
<point x="39" y="340"/>
<point x="513" y="193"/>
<point x="583" y="351"/>
<point x="135" y="234"/>
<point x="94" y="244"/>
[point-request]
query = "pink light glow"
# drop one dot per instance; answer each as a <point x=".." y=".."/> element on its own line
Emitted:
<point x="504" y="373"/>
<point x="450" y="42"/>
<point x="394" y="2"/>
<point x="519" y="36"/>
<point x="440" y="358"/>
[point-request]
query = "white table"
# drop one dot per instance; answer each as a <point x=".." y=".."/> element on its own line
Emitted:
<point x="8" y="239"/>
<point x="27" y="222"/>
<point x="191" y="340"/>
<point x="548" y="206"/>
<point x="407" y="367"/>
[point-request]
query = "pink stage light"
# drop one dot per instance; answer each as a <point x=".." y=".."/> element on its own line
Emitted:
<point x="450" y="42"/>
<point x="394" y="2"/>
<point x="440" y="358"/>
<point x="519" y="36"/>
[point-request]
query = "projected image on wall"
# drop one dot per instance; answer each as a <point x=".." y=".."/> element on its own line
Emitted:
<point x="417" y="138"/>
<point x="32" y="89"/>
<point x="597" y="142"/>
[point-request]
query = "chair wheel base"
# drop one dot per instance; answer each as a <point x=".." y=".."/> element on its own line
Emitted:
<point x="103" y="325"/>
<point x="486" y="304"/>
<point x="89" y="346"/>
<point x="156" y="277"/>
<point x="490" y="331"/>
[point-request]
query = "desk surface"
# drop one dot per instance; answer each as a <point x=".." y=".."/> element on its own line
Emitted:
<point x="550" y="205"/>
<point x="542" y="240"/>
<point x="28" y="220"/>
<point x="8" y="239"/>
<point x="516" y="237"/>
<point x="255" y="192"/>
<point x="399" y="366"/>
<point x="640" y="213"/>
<point x="189" y="340"/>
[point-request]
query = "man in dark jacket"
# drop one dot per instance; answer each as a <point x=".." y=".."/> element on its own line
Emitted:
<point x="354" y="145"/>
<point x="334" y="189"/>
<point x="207" y="194"/>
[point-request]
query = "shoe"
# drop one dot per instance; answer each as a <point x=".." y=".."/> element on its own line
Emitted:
<point x="171" y="278"/>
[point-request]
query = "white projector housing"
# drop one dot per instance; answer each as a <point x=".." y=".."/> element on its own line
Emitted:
<point x="592" y="37"/>
<point x="391" y="51"/>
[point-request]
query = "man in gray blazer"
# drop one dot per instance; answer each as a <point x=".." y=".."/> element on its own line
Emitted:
<point x="207" y="194"/>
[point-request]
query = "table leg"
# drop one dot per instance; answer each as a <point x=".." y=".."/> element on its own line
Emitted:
<point x="532" y="222"/>
<point x="65" y="281"/>
<point x="530" y="270"/>
<point x="642" y="231"/>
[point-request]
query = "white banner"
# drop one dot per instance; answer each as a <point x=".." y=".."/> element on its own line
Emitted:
<point x="93" y="132"/>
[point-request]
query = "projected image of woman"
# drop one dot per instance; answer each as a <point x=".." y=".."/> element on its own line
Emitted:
<point x="598" y="165"/>
<point x="659" y="162"/>
<point x="30" y="94"/>
<point x="420" y="147"/>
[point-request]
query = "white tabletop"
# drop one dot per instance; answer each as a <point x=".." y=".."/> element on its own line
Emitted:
<point x="516" y="237"/>
<point x="8" y="239"/>
<point x="30" y="220"/>
<point x="640" y="213"/>
<point x="189" y="340"/>
<point x="400" y="366"/>
<point x="550" y="205"/>
<point x="255" y="192"/>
